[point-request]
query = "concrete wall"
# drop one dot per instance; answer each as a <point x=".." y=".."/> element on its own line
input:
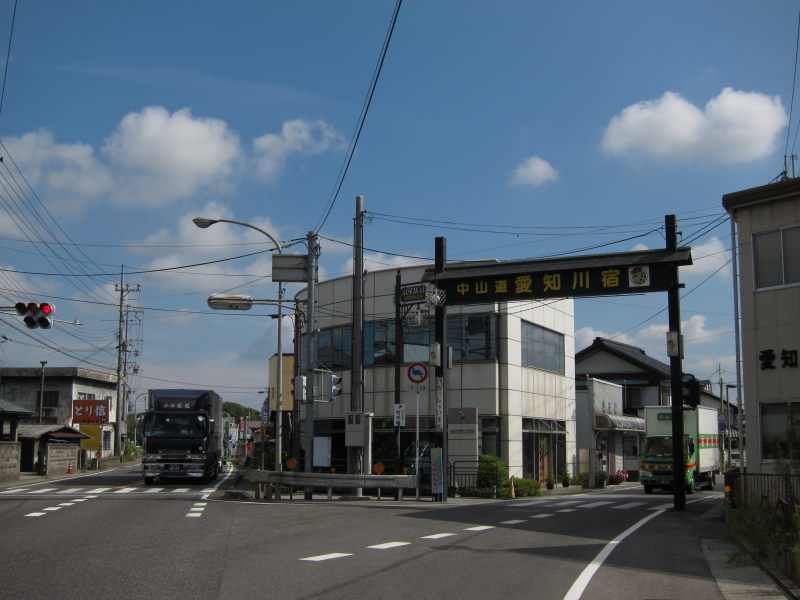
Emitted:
<point x="60" y="457"/>
<point x="9" y="461"/>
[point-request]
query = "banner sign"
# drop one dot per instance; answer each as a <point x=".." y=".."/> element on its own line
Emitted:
<point x="90" y="411"/>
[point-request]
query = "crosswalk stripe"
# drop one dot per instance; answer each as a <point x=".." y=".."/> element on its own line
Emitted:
<point x="542" y="516"/>
<point x="437" y="536"/>
<point x="153" y="490"/>
<point x="512" y="522"/>
<point x="479" y="528"/>
<point x="36" y="514"/>
<point x="98" y="490"/>
<point x="70" y="490"/>
<point x="44" y="490"/>
<point x="125" y="490"/>
<point x="567" y="510"/>
<point x="180" y="490"/>
<point x="595" y="504"/>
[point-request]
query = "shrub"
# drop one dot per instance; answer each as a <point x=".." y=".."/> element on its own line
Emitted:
<point x="616" y="478"/>
<point x="491" y="471"/>
<point x="600" y="479"/>
<point x="527" y="487"/>
<point x="581" y="479"/>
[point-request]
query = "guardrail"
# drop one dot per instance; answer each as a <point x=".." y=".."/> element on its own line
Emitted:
<point x="330" y="481"/>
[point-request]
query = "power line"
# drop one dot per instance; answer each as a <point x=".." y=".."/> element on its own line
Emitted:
<point x="361" y="119"/>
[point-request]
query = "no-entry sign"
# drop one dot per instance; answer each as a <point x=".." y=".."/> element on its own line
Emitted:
<point x="418" y="373"/>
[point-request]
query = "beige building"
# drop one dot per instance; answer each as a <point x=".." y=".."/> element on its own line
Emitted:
<point x="767" y="220"/>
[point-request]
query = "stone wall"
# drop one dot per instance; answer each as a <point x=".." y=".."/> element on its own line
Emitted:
<point x="9" y="461"/>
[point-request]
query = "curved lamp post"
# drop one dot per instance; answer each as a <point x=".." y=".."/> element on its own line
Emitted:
<point x="203" y="224"/>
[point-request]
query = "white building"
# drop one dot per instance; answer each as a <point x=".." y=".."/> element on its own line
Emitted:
<point x="768" y="223"/>
<point x="512" y="363"/>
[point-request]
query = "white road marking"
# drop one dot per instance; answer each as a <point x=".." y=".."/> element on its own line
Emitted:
<point x="513" y="522"/>
<point x="577" y="588"/>
<point x="180" y="490"/>
<point x="661" y="507"/>
<point x="70" y="491"/>
<point x="126" y="490"/>
<point x="595" y="504"/>
<point x="194" y="514"/>
<point x="437" y="536"/>
<point x="479" y="528"/>
<point x="98" y="490"/>
<point x="153" y="490"/>
<point x="52" y="508"/>
<point x="36" y="514"/>
<point x="44" y="490"/>
<point x="388" y="545"/>
<point x="629" y="505"/>
<point x="80" y="499"/>
<point x="67" y="504"/>
<point x="541" y="516"/>
<point x="197" y="509"/>
<point x="322" y="557"/>
<point x="566" y="510"/>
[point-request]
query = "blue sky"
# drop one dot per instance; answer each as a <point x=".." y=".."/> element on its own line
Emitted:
<point x="515" y="129"/>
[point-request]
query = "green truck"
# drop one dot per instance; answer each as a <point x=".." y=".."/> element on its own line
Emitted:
<point x="700" y="445"/>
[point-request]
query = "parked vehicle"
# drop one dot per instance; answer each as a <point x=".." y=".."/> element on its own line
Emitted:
<point x="700" y="446"/>
<point x="182" y="435"/>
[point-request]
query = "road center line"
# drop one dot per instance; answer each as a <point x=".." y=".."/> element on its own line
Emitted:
<point x="579" y="585"/>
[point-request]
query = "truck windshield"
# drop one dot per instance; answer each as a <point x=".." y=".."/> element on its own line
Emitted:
<point x="174" y="425"/>
<point x="658" y="446"/>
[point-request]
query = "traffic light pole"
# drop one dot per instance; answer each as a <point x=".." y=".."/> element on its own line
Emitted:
<point x="311" y="333"/>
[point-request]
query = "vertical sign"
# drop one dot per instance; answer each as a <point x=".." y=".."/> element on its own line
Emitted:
<point x="437" y="479"/>
<point x="399" y="415"/>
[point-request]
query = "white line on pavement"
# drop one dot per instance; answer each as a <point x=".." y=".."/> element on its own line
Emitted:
<point x="630" y="505"/>
<point x="437" y="536"/>
<point x="579" y="585"/>
<point x="479" y="528"/>
<point x="512" y="522"/>
<point x="322" y="557"/>
<point x="388" y="545"/>
<point x="36" y="514"/>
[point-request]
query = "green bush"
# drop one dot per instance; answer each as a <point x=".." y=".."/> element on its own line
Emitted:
<point x="527" y="487"/>
<point x="581" y="479"/>
<point x="492" y="471"/>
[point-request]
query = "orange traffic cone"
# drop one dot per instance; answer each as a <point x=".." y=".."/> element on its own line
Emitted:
<point x="69" y="468"/>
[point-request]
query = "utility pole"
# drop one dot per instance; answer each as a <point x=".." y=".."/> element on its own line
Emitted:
<point x="355" y="454"/>
<point x="676" y="373"/>
<point x="311" y="332"/>
<point x="122" y="349"/>
<point x="41" y="391"/>
<point x="441" y="368"/>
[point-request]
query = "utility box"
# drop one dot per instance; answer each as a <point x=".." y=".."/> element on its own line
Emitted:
<point x="358" y="429"/>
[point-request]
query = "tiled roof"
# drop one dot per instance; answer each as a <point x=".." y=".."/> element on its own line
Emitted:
<point x="627" y="352"/>
<point x="6" y="408"/>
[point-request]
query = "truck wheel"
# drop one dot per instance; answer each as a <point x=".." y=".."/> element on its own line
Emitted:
<point x="149" y="480"/>
<point x="648" y="489"/>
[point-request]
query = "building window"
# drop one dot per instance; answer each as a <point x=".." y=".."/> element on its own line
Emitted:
<point x="542" y="348"/>
<point x="776" y="257"/>
<point x="780" y="430"/>
<point x="86" y="396"/>
<point x="107" y="439"/>
<point x="50" y="399"/>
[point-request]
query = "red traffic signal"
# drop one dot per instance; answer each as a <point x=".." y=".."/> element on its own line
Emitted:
<point x="36" y="314"/>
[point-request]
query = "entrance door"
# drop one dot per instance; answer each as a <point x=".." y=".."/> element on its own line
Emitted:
<point x="544" y="456"/>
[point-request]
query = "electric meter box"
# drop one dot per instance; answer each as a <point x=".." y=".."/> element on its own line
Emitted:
<point x="358" y="429"/>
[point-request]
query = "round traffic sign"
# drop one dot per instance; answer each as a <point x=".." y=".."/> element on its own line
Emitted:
<point x="418" y="372"/>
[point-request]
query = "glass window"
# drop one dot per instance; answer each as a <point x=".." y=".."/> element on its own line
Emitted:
<point x="542" y="348"/>
<point x="50" y="399"/>
<point x="776" y="257"/>
<point x="780" y="430"/>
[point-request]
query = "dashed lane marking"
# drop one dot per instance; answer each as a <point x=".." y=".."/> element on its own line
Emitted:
<point x="36" y="514"/>
<point x="323" y="557"/>
<point x="595" y="504"/>
<point x="542" y="516"/>
<point x="513" y="522"/>
<point x="479" y="528"/>
<point x="388" y="545"/>
<point x="437" y="536"/>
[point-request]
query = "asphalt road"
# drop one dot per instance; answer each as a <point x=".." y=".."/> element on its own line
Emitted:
<point x="108" y="535"/>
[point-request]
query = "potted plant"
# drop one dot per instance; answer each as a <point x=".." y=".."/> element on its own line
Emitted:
<point x="550" y="482"/>
<point x="564" y="478"/>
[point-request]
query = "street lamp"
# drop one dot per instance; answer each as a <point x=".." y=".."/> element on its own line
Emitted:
<point x="203" y="224"/>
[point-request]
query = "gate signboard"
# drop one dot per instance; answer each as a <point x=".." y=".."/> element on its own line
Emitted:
<point x="598" y="275"/>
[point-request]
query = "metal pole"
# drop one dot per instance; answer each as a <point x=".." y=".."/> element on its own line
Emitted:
<point x="279" y="387"/>
<point x="417" y="469"/>
<point x="441" y="369"/>
<point x="737" y="342"/>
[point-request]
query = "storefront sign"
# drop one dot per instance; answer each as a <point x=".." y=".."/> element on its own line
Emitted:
<point x="90" y="411"/>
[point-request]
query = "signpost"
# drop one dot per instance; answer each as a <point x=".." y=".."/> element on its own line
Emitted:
<point x="417" y="375"/>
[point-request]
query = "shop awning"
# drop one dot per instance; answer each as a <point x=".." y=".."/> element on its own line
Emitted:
<point x="606" y="422"/>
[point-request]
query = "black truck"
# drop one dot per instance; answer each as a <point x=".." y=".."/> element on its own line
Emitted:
<point x="182" y="435"/>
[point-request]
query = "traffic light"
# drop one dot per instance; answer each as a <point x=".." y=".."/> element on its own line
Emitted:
<point x="330" y="383"/>
<point x="36" y="314"/>
<point x="691" y="391"/>
<point x="300" y="388"/>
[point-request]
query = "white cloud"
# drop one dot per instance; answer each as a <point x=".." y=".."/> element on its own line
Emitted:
<point x="534" y="171"/>
<point x="272" y="150"/>
<point x="733" y="127"/>
<point x="707" y="258"/>
<point x="160" y="157"/>
<point x="653" y="339"/>
<point x="69" y="172"/>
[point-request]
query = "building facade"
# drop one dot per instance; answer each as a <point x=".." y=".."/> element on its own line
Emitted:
<point x="512" y="367"/>
<point x="50" y="394"/>
<point x="767" y="224"/>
